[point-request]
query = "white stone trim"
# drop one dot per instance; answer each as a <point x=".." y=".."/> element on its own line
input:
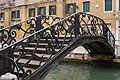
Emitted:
<point x="104" y="7"/>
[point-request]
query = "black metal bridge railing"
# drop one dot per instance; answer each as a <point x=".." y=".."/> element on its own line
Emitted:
<point x="51" y="29"/>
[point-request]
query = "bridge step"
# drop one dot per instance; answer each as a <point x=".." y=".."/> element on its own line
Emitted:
<point x="39" y="50"/>
<point x="45" y="57"/>
<point x="33" y="64"/>
<point x="59" y="40"/>
<point x="41" y="45"/>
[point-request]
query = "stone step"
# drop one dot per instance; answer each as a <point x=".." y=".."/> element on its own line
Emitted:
<point x="43" y="45"/>
<point x="32" y="64"/>
<point x="44" y="57"/>
<point x="39" y="50"/>
<point x="60" y="41"/>
<point x="62" y="36"/>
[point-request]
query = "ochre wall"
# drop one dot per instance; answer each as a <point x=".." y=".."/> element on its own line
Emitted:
<point x="109" y="17"/>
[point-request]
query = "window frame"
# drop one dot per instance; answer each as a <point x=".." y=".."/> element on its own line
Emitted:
<point x="119" y="5"/>
<point x="104" y="7"/>
<point x="17" y="18"/>
<point x="3" y="16"/>
<point x="30" y="13"/>
<point x="44" y="7"/>
<point x="50" y="9"/>
<point x="74" y="8"/>
<point x="83" y="6"/>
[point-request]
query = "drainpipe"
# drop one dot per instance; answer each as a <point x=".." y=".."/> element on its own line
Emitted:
<point x="117" y="28"/>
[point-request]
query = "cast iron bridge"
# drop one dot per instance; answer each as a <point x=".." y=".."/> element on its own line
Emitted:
<point x="32" y="48"/>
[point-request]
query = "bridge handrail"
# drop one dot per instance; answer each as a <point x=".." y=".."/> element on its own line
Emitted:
<point x="110" y="34"/>
<point x="26" y="21"/>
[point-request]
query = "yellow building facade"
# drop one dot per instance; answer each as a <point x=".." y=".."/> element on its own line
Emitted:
<point x="96" y="8"/>
<point x="108" y="10"/>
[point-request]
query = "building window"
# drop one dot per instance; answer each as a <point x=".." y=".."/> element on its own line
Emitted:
<point x="32" y="12"/>
<point x="70" y="8"/>
<point x="52" y="10"/>
<point x="15" y="15"/>
<point x="86" y="6"/>
<point x="119" y="5"/>
<point x="42" y="10"/>
<point x="1" y="16"/>
<point x="108" y="5"/>
<point x="119" y="25"/>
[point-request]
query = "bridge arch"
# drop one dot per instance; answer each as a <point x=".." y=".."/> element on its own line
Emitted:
<point x="80" y="41"/>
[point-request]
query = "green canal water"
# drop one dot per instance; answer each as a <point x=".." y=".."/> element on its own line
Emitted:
<point x="83" y="71"/>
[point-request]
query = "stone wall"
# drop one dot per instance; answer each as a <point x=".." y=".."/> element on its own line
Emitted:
<point x="6" y="3"/>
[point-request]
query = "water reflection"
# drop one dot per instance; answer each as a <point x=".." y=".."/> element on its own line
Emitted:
<point x="80" y="71"/>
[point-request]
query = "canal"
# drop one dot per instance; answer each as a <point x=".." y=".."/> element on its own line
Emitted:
<point x="97" y="70"/>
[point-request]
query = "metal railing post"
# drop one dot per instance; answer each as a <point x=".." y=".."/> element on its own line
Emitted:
<point x="38" y="23"/>
<point x="104" y="30"/>
<point x="76" y="30"/>
<point x="5" y="63"/>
